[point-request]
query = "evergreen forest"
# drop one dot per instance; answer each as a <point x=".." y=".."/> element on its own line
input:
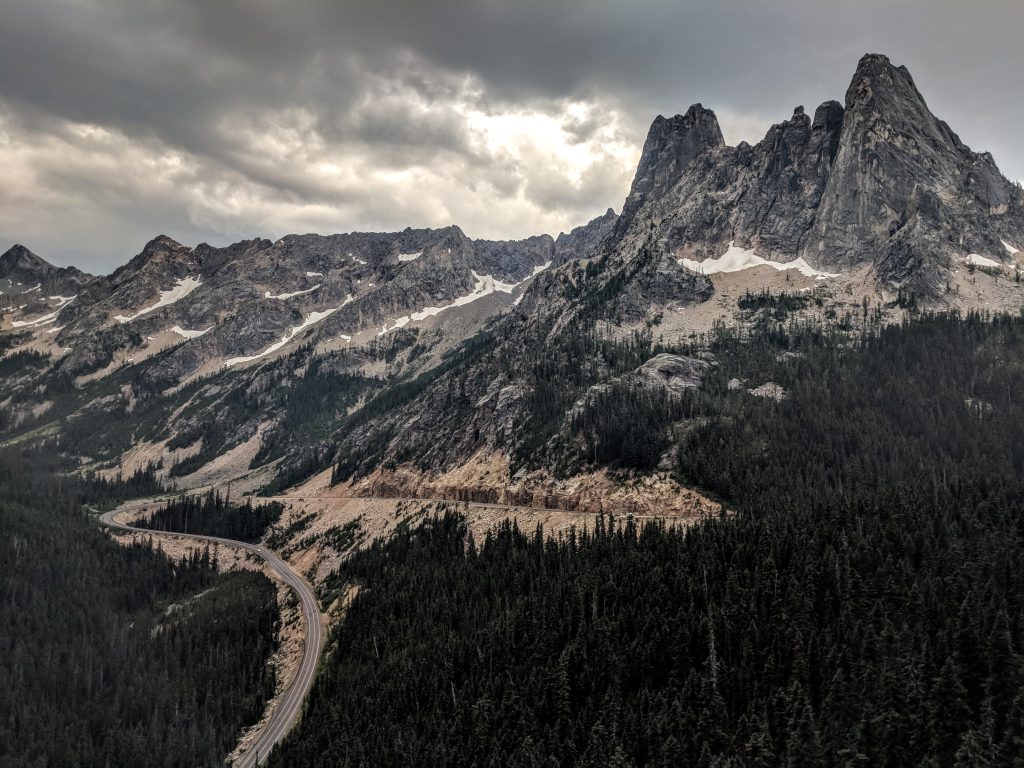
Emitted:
<point x="213" y="515"/>
<point x="859" y="602"/>
<point x="115" y="655"/>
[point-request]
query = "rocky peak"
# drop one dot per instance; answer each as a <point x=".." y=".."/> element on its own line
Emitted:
<point x="451" y="237"/>
<point x="160" y="262"/>
<point x="671" y="145"/>
<point x="895" y="160"/>
<point x="158" y="251"/>
<point x="881" y="94"/>
<point x="20" y="265"/>
<point x="163" y="246"/>
<point x="879" y="182"/>
<point x="19" y="259"/>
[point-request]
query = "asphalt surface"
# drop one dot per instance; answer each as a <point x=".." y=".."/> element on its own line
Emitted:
<point x="289" y="705"/>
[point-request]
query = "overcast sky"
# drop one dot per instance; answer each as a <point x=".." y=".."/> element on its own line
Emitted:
<point x="214" y="120"/>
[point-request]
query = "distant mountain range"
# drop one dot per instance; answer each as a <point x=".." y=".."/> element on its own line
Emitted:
<point x="451" y="344"/>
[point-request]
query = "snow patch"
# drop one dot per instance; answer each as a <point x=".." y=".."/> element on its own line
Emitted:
<point x="409" y="256"/>
<point x="981" y="261"/>
<point x="189" y="334"/>
<point x="736" y="259"/>
<point x="293" y="294"/>
<point x="181" y="289"/>
<point x="311" y="319"/>
<point x="536" y="271"/>
<point x="45" y="319"/>
<point x="1009" y="248"/>
<point x="35" y="287"/>
<point x="314" y="274"/>
<point x="484" y="285"/>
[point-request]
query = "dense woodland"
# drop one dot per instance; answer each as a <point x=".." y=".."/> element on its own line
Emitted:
<point x="862" y="604"/>
<point x="116" y="655"/>
<point x="214" y="515"/>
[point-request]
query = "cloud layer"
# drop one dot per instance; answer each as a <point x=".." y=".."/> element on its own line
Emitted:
<point x="120" y="119"/>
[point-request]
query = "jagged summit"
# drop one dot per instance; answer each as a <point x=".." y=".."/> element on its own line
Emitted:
<point x="161" y="259"/>
<point x="904" y="191"/>
<point x="671" y="145"/>
<point x="877" y="62"/>
<point x="162" y="243"/>
<point x="878" y="181"/>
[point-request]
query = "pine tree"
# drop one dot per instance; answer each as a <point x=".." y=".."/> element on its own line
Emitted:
<point x="950" y="713"/>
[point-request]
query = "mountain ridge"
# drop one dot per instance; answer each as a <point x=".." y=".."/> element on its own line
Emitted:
<point x="462" y="363"/>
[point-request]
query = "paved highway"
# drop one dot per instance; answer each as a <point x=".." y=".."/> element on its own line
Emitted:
<point x="287" y="708"/>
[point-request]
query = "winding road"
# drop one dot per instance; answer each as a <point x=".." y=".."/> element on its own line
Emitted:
<point x="287" y="707"/>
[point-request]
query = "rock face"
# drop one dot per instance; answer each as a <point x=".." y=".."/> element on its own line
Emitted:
<point x="671" y="145"/>
<point x="905" y="190"/>
<point x="763" y="197"/>
<point x="582" y="240"/>
<point x="881" y="182"/>
<point x="673" y="372"/>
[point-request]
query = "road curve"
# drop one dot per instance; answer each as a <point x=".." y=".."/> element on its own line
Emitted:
<point x="288" y="706"/>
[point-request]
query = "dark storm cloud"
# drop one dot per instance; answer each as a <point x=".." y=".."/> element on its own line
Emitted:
<point x="216" y="120"/>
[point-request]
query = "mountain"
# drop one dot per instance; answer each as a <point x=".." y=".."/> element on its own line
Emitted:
<point x="21" y="270"/>
<point x="906" y="192"/>
<point x="426" y="362"/>
<point x="878" y="183"/>
<point x="872" y="203"/>
<point x="173" y="314"/>
<point x="243" y="303"/>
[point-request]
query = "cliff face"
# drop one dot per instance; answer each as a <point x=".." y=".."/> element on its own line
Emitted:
<point x="905" y="192"/>
<point x="880" y="181"/>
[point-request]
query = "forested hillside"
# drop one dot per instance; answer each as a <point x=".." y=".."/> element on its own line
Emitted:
<point x="863" y="605"/>
<point x="112" y="655"/>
